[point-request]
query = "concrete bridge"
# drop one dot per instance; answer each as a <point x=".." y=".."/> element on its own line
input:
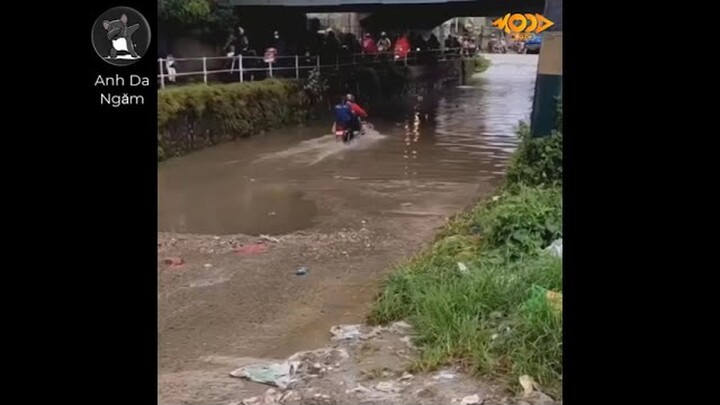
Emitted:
<point x="397" y="14"/>
<point x="427" y="14"/>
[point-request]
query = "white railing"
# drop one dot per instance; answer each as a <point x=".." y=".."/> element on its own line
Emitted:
<point x="242" y="65"/>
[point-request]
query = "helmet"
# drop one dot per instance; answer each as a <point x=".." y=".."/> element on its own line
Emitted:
<point x="349" y="97"/>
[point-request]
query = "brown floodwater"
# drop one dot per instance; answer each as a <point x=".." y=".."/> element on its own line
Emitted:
<point x="269" y="184"/>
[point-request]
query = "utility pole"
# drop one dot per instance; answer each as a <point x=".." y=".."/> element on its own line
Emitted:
<point x="548" y="85"/>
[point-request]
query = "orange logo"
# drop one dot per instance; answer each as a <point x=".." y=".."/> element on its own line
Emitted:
<point x="523" y="23"/>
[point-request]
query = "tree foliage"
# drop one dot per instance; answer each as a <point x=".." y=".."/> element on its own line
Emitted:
<point x="211" y="17"/>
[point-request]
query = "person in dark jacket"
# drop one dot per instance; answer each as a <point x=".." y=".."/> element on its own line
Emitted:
<point x="433" y="42"/>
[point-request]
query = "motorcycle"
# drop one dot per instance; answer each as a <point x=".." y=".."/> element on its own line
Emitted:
<point x="347" y="135"/>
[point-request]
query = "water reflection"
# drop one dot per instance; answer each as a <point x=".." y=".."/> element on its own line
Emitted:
<point x="412" y="136"/>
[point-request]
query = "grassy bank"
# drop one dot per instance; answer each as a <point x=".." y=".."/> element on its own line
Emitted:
<point x="486" y="294"/>
<point x="196" y="116"/>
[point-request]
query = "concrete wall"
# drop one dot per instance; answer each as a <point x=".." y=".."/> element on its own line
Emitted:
<point x="340" y="22"/>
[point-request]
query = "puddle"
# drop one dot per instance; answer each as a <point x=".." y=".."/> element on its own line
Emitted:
<point x="247" y="208"/>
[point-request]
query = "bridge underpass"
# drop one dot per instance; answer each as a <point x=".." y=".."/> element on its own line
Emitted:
<point x="394" y="14"/>
<point x="427" y="14"/>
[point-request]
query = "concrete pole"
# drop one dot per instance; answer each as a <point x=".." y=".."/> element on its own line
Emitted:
<point x="548" y="85"/>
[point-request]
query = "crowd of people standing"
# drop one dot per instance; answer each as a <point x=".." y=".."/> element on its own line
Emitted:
<point x="330" y="46"/>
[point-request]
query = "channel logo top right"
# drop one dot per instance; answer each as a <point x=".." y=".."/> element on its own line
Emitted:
<point x="523" y="26"/>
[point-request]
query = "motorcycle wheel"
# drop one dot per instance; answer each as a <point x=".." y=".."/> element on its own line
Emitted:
<point x="347" y="136"/>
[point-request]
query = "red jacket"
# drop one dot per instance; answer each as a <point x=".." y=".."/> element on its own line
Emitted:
<point x="369" y="46"/>
<point x="402" y="47"/>
<point x="357" y="110"/>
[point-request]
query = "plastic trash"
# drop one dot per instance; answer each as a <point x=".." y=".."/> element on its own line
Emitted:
<point x="387" y="387"/>
<point x="463" y="268"/>
<point x="406" y="377"/>
<point x="279" y="375"/>
<point x="269" y="238"/>
<point x="555" y="299"/>
<point x="301" y="271"/>
<point x="400" y="327"/>
<point x="532" y="393"/>
<point x="444" y="375"/>
<point x="174" y="261"/>
<point x="556" y="248"/>
<point x="253" y="249"/>
<point x="471" y="400"/>
<point x="351" y="332"/>
<point x="528" y="385"/>
<point x="358" y="389"/>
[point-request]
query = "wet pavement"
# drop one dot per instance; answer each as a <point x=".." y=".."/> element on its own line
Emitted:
<point x="348" y="213"/>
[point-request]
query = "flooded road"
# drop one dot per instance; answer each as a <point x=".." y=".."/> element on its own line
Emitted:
<point x="348" y="213"/>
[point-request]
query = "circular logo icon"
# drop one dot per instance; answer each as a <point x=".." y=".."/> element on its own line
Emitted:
<point x="121" y="36"/>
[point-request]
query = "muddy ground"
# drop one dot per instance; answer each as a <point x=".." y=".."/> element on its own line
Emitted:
<point x="232" y="301"/>
<point x="224" y="303"/>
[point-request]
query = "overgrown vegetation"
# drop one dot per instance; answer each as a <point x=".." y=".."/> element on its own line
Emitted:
<point x="212" y="18"/>
<point x="538" y="160"/>
<point x="487" y="294"/>
<point x="195" y="116"/>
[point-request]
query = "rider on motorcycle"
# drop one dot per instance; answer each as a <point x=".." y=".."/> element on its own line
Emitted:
<point x="357" y="111"/>
<point x="343" y="116"/>
<point x="348" y="114"/>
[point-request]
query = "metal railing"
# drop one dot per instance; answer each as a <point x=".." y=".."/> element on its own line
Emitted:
<point x="245" y="67"/>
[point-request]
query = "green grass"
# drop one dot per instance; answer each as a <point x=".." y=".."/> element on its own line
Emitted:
<point x="495" y="317"/>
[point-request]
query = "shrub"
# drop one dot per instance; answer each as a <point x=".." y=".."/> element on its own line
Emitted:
<point x="522" y="222"/>
<point x="538" y="160"/>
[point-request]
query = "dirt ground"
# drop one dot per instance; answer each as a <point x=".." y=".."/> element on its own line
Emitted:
<point x="224" y="303"/>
